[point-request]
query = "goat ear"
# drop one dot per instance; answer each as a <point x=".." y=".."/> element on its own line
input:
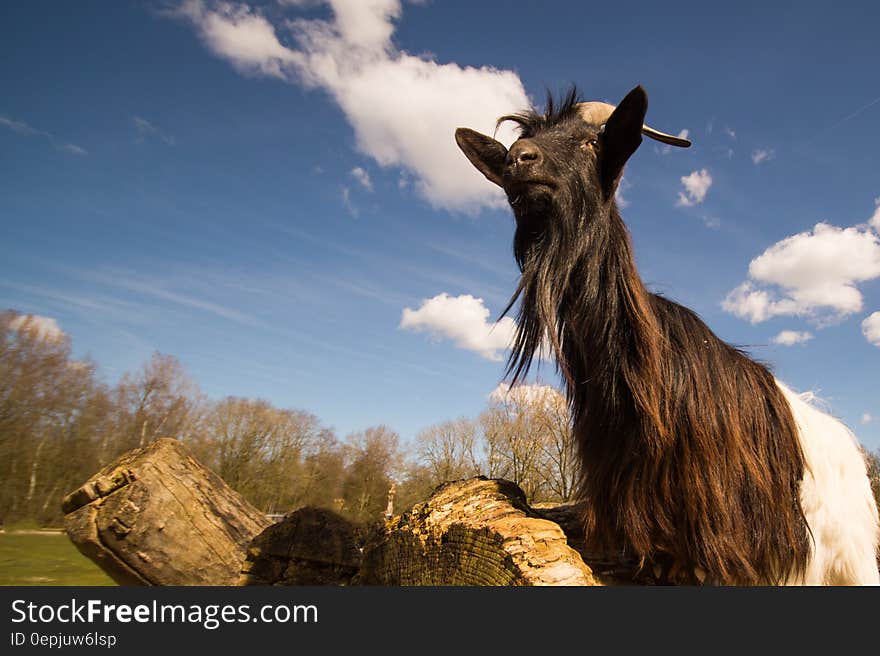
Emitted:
<point x="621" y="137"/>
<point x="484" y="153"/>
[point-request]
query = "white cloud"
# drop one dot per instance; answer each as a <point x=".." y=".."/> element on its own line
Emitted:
<point x="403" y="108"/>
<point x="756" y="305"/>
<point x="464" y="320"/>
<point x="526" y="394"/>
<point x="871" y="328"/>
<point x="792" y="337"/>
<point x="240" y="35"/>
<point x="618" y="195"/>
<point x="362" y="177"/>
<point x="22" y="128"/>
<point x="696" y="186"/>
<point x="72" y="149"/>
<point x="17" y="126"/>
<point x="145" y="128"/>
<point x="763" y="155"/>
<point x="729" y="132"/>
<point x="815" y="274"/>
<point x="866" y="419"/>
<point x="46" y="328"/>
<point x="874" y="221"/>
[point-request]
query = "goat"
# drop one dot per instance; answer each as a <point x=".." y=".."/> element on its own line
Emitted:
<point x="695" y="460"/>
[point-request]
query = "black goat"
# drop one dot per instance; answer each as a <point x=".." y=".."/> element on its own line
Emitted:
<point x="695" y="459"/>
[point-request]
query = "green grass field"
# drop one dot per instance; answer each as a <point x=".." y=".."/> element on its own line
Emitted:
<point x="45" y="558"/>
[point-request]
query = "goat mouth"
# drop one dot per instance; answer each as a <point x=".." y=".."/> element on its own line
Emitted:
<point x="519" y="185"/>
<point x="529" y="191"/>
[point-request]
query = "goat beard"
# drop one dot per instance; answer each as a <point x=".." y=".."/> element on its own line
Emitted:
<point x="548" y="244"/>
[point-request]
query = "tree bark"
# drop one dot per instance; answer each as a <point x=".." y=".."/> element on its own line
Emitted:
<point x="157" y="517"/>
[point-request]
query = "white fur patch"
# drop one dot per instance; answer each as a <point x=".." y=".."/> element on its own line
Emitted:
<point x="836" y="498"/>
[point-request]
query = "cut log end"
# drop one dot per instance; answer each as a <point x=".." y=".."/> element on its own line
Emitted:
<point x="474" y="532"/>
<point x="158" y="517"/>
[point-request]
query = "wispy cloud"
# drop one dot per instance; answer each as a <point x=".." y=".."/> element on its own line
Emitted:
<point x="146" y="129"/>
<point x="353" y="58"/>
<point x="696" y="186"/>
<point x="345" y="194"/>
<point x="624" y="185"/>
<point x="18" y="126"/>
<point x="459" y="281"/>
<point x="84" y="303"/>
<point x="366" y="290"/>
<point x="711" y="222"/>
<point x="22" y="128"/>
<point x="866" y="419"/>
<point x="852" y="115"/>
<point x="762" y="155"/>
<point x="507" y="273"/>
<point x="161" y="290"/>
<point x="73" y="149"/>
<point x="361" y="175"/>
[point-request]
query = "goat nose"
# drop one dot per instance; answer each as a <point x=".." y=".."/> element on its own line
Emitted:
<point x="522" y="153"/>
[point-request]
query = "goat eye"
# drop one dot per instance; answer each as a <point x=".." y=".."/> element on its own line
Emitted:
<point x="592" y="143"/>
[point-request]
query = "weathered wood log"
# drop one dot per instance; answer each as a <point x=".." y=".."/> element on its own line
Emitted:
<point x="311" y="546"/>
<point x="474" y="532"/>
<point x="157" y="517"/>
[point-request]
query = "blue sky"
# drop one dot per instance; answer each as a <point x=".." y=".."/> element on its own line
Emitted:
<point x="271" y="192"/>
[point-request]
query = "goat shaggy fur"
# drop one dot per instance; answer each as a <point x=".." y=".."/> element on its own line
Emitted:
<point x="695" y="459"/>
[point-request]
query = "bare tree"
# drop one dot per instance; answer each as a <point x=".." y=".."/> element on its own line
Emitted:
<point x="158" y="401"/>
<point x="559" y="465"/>
<point x="449" y="450"/>
<point x="59" y="424"/>
<point x="415" y="486"/>
<point x="526" y="440"/>
<point x="278" y="459"/>
<point x="46" y="401"/>
<point x="374" y="461"/>
<point x="323" y="474"/>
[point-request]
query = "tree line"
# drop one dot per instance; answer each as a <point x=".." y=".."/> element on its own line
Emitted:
<point x="60" y="424"/>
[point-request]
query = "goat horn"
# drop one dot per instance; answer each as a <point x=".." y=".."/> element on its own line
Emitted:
<point x="598" y="113"/>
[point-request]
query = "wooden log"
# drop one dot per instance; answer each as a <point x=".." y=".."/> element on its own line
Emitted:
<point x="311" y="546"/>
<point x="474" y="532"/>
<point x="157" y="517"/>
